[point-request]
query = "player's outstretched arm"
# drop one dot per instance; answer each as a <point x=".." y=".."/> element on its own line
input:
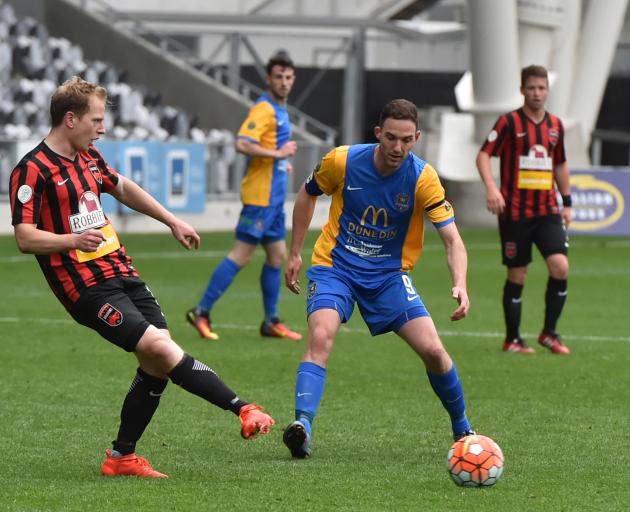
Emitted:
<point x="302" y="216"/>
<point x="132" y="195"/>
<point x="457" y="260"/>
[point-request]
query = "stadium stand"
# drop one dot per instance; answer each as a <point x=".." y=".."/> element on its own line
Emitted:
<point x="31" y="65"/>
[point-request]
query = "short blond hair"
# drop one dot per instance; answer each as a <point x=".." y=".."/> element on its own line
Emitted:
<point x="73" y="96"/>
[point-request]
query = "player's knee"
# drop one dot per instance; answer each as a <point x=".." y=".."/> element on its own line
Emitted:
<point x="159" y="348"/>
<point x="559" y="267"/>
<point x="320" y="342"/>
<point x="240" y="258"/>
<point x="275" y="260"/>
<point x="436" y="359"/>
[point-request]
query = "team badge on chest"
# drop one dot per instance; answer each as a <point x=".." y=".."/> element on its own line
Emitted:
<point x="402" y="202"/>
<point x="96" y="172"/>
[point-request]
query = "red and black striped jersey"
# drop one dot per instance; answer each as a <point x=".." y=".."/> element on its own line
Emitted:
<point x="528" y="153"/>
<point x="63" y="196"/>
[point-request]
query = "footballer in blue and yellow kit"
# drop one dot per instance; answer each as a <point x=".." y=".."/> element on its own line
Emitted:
<point x="265" y="138"/>
<point x="372" y="240"/>
<point x="264" y="186"/>
<point x="373" y="236"/>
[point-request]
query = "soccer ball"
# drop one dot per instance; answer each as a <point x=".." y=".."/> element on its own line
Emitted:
<point x="475" y="461"/>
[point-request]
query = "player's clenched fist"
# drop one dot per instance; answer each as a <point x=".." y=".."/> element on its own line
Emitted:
<point x="89" y="240"/>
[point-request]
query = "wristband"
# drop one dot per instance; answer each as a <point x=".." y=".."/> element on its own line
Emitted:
<point x="566" y="201"/>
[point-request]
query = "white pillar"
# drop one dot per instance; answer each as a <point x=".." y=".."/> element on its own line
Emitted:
<point x="600" y="33"/>
<point x="494" y="61"/>
<point x="563" y="58"/>
<point x="537" y="24"/>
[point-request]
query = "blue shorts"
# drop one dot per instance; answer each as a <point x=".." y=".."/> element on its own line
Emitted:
<point x="261" y="225"/>
<point x="385" y="306"/>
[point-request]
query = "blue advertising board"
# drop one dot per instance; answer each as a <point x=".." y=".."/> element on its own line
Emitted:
<point x="173" y="173"/>
<point x="599" y="201"/>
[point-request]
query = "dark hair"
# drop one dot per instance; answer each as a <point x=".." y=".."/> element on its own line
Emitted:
<point x="533" y="70"/>
<point x="73" y="96"/>
<point x="280" y="58"/>
<point x="399" y="109"/>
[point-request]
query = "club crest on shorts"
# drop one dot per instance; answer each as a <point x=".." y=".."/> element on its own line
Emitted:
<point x="510" y="250"/>
<point x="312" y="287"/>
<point x="110" y="315"/>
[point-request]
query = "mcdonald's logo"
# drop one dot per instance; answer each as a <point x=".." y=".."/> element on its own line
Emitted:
<point x="375" y="215"/>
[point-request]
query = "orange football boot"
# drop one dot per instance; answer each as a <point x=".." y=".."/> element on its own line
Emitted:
<point x="202" y="324"/>
<point x="278" y="330"/>
<point x="254" y="421"/>
<point x="129" y="465"/>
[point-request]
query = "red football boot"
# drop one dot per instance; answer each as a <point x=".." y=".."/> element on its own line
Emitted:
<point x="553" y="343"/>
<point x="129" y="465"/>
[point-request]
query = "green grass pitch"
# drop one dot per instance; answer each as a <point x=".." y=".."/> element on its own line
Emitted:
<point x="381" y="437"/>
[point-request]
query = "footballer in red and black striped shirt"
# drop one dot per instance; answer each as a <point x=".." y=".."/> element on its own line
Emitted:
<point x="529" y="151"/>
<point x="62" y="196"/>
<point x="530" y="144"/>
<point x="57" y="215"/>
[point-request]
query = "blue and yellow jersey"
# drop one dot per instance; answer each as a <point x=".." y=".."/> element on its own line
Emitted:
<point x="376" y="222"/>
<point x="265" y="181"/>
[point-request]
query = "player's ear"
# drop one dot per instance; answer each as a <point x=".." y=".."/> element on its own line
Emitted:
<point x="417" y="135"/>
<point x="377" y="132"/>
<point x="69" y="119"/>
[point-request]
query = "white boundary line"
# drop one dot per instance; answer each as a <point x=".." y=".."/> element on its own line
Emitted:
<point x="242" y="327"/>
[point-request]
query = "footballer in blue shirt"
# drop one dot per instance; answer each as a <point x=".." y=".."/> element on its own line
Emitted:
<point x="364" y="256"/>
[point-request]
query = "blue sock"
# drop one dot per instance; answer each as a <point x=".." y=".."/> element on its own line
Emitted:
<point x="221" y="279"/>
<point x="270" y="282"/>
<point x="309" y="389"/>
<point x="449" y="389"/>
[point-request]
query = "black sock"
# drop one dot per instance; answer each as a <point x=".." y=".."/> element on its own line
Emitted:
<point x="140" y="403"/>
<point x="555" y="297"/>
<point x="198" y="379"/>
<point x="512" y="309"/>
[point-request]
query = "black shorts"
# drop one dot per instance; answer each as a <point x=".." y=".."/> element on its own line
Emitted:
<point x="548" y="233"/>
<point x="120" y="310"/>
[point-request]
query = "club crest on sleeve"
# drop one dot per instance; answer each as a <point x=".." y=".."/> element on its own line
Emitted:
<point x="110" y="315"/>
<point x="510" y="250"/>
<point x="24" y="194"/>
<point x="96" y="172"/>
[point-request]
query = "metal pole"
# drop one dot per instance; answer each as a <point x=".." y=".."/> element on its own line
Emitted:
<point x="354" y="89"/>
<point x="234" y="66"/>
